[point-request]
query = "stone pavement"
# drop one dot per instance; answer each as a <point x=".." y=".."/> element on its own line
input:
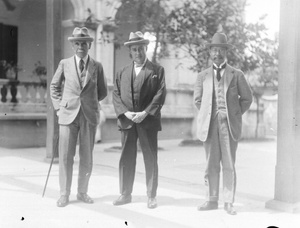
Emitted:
<point x="181" y="190"/>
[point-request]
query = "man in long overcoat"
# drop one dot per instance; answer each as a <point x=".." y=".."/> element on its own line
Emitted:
<point x="222" y="96"/>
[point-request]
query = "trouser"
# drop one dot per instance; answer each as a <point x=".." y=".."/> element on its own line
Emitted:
<point x="148" y="142"/>
<point x="68" y="135"/>
<point x="220" y="148"/>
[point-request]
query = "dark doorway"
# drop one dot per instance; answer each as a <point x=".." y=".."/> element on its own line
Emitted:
<point x="8" y="45"/>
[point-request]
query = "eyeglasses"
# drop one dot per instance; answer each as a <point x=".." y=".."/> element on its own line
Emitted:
<point x="216" y="50"/>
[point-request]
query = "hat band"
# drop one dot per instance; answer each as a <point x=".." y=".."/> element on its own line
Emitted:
<point x="80" y="35"/>
<point x="136" y="39"/>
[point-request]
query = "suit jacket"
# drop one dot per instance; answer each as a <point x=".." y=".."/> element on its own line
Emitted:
<point x="151" y="98"/>
<point x="68" y="96"/>
<point x="238" y="98"/>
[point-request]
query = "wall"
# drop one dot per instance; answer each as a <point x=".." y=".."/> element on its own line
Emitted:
<point x="32" y="38"/>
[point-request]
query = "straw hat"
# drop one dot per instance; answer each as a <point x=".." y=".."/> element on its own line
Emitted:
<point x="81" y="34"/>
<point x="136" y="38"/>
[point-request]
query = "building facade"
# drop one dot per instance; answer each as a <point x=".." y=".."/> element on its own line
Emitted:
<point x="26" y="32"/>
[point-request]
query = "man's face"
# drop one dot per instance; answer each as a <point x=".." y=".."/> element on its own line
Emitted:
<point x="218" y="55"/>
<point x="138" y="53"/>
<point x="81" y="48"/>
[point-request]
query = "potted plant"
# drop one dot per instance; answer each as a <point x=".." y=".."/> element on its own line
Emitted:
<point x="41" y="72"/>
<point x="9" y="70"/>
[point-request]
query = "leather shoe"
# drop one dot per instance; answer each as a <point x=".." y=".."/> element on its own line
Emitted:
<point x="123" y="199"/>
<point x="84" y="198"/>
<point x="208" y="205"/>
<point x="229" y="208"/>
<point x="152" y="203"/>
<point x="63" y="201"/>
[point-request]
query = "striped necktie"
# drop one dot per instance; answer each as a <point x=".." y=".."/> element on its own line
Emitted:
<point x="218" y="69"/>
<point x="81" y="65"/>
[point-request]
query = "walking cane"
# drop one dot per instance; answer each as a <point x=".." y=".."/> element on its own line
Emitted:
<point x="56" y="138"/>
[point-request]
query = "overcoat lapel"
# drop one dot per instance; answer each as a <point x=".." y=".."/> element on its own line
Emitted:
<point x="228" y="74"/>
<point x="208" y="82"/>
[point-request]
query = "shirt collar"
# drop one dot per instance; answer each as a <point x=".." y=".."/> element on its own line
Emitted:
<point x="84" y="59"/>
<point x="220" y="64"/>
<point x="135" y="65"/>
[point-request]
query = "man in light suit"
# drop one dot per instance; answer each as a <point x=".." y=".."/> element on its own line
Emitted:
<point x="221" y="95"/>
<point x="76" y="89"/>
<point x="138" y="96"/>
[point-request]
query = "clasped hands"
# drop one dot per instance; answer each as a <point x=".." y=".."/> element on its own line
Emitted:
<point x="136" y="117"/>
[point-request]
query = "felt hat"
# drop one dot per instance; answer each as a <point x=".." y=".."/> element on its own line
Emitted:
<point x="136" y="38"/>
<point x="81" y="34"/>
<point x="219" y="40"/>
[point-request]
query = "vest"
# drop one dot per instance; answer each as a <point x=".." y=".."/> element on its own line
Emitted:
<point x="136" y="88"/>
<point x="219" y="104"/>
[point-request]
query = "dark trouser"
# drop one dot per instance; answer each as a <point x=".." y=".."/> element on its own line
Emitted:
<point x="148" y="142"/>
<point x="220" y="147"/>
<point x="68" y="135"/>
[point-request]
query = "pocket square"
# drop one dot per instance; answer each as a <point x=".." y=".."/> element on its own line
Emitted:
<point x="154" y="76"/>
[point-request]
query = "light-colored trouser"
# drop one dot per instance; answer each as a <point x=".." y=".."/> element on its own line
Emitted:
<point x="220" y="148"/>
<point x="68" y="135"/>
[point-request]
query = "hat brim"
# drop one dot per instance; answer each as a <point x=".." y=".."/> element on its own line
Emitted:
<point x="136" y="42"/>
<point x="89" y="39"/>
<point x="228" y="46"/>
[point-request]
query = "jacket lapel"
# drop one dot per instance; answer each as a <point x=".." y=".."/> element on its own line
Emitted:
<point x="71" y="67"/>
<point x="90" y="71"/>
<point x="146" y="71"/>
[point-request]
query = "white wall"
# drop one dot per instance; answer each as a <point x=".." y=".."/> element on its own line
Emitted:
<point x="29" y="17"/>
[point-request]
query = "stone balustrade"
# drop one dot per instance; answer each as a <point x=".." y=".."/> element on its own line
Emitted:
<point x="22" y="97"/>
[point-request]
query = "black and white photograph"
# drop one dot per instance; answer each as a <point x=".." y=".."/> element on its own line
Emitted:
<point x="149" y="113"/>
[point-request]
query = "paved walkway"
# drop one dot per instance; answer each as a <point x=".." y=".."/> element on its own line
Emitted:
<point x="181" y="190"/>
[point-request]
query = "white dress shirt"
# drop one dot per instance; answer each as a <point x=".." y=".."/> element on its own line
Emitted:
<point x="138" y="69"/>
<point x="222" y="71"/>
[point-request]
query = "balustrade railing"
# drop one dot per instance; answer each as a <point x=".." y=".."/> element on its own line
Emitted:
<point x="31" y="97"/>
<point x="18" y="96"/>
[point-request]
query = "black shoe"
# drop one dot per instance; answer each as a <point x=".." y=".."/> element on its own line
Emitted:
<point x="228" y="207"/>
<point x="63" y="201"/>
<point x="84" y="198"/>
<point x="152" y="203"/>
<point x="123" y="199"/>
<point x="208" y="205"/>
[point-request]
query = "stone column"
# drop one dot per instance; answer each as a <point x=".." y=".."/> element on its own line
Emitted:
<point x="105" y="52"/>
<point x="54" y="54"/>
<point x="287" y="171"/>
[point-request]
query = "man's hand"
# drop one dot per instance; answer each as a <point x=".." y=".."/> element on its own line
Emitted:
<point x="139" y="116"/>
<point x="129" y="115"/>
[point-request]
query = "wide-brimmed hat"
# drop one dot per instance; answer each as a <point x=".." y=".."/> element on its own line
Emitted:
<point x="81" y="34"/>
<point x="219" y="40"/>
<point x="136" y="38"/>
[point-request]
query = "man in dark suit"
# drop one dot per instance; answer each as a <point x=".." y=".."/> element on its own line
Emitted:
<point x="222" y="95"/>
<point x="76" y="89"/>
<point x="138" y="96"/>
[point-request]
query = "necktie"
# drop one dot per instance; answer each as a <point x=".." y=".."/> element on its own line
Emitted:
<point x="81" y="65"/>
<point x="218" y="69"/>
